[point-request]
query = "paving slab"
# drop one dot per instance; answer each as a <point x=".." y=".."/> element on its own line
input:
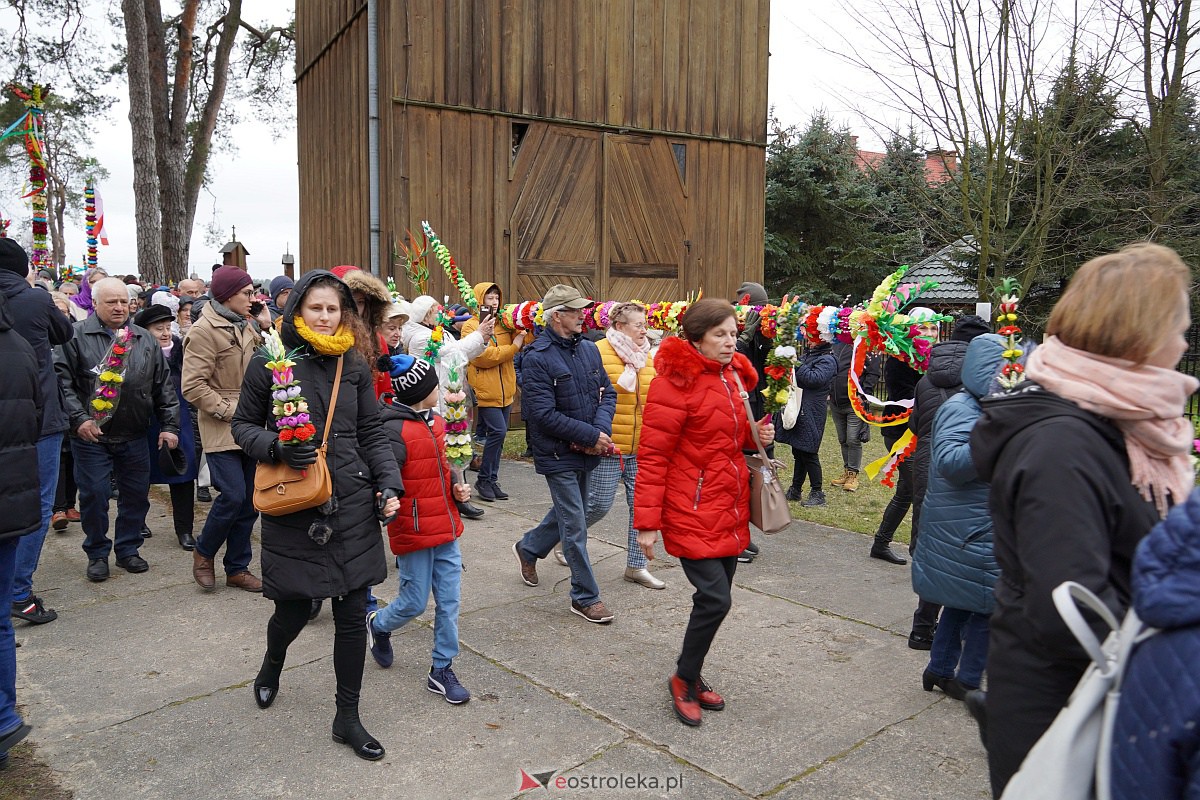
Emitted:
<point x="141" y="688"/>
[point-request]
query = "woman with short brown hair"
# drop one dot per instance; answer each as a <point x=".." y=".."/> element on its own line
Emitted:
<point x="1083" y="459"/>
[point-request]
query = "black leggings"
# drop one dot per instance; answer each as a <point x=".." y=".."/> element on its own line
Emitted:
<point x="807" y="464"/>
<point x="349" y="639"/>
<point x="183" y="507"/>
<point x="66" y="493"/>
<point x="713" y="579"/>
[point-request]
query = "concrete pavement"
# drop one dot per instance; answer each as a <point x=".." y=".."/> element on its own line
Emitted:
<point x="141" y="688"/>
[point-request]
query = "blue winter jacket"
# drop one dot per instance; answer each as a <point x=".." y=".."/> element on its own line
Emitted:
<point x="1156" y="741"/>
<point x="566" y="398"/>
<point x="814" y="374"/>
<point x="955" y="566"/>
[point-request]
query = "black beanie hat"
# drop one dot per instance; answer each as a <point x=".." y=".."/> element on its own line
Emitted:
<point x="13" y="257"/>
<point x="412" y="379"/>
<point x="968" y="327"/>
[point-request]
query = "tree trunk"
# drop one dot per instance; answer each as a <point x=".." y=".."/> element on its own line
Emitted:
<point x="147" y="213"/>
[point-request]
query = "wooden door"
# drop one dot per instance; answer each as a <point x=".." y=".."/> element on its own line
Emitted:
<point x="555" y="197"/>
<point x="644" y="205"/>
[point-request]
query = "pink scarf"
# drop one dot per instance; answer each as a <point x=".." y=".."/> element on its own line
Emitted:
<point x="634" y="357"/>
<point x="1145" y="402"/>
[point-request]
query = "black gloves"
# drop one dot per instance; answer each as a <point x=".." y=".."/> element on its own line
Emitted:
<point x="381" y="498"/>
<point x="296" y="456"/>
<point x="864" y="433"/>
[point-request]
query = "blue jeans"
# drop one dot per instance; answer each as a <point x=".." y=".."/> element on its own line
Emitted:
<point x="232" y="516"/>
<point x="128" y="463"/>
<point x="602" y="489"/>
<point x="9" y="718"/>
<point x="29" y="548"/>
<point x="565" y="523"/>
<point x="495" y="422"/>
<point x="437" y="568"/>
<point x="960" y="645"/>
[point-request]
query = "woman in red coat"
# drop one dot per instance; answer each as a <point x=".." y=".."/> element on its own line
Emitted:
<point x="693" y="483"/>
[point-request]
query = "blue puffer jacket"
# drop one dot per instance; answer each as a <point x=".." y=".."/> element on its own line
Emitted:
<point x="1156" y="742"/>
<point x="955" y="565"/>
<point x="566" y="398"/>
<point x="814" y="374"/>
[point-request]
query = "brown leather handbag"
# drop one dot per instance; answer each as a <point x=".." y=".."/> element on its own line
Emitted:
<point x="769" y="511"/>
<point x="280" y="490"/>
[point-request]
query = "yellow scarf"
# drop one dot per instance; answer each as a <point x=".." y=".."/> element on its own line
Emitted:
<point x="325" y="344"/>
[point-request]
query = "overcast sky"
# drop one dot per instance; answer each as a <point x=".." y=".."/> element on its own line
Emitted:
<point x="255" y="187"/>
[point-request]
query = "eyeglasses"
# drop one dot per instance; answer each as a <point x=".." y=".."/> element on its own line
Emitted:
<point x="637" y="326"/>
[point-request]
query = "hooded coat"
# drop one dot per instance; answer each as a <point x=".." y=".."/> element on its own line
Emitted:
<point x="491" y="373"/>
<point x="955" y="565"/>
<point x="360" y="462"/>
<point x="377" y="302"/>
<point x="1063" y="508"/>
<point x="38" y="320"/>
<point x="693" y="484"/>
<point x="1156" y="740"/>
<point x="814" y="375"/>
<point x="21" y="410"/>
<point x="216" y="352"/>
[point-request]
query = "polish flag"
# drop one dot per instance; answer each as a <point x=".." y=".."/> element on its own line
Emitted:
<point x="101" y="234"/>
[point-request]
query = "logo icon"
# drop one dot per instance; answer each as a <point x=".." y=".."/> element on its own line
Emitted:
<point x="534" y="781"/>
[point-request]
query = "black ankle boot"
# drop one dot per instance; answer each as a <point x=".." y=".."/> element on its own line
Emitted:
<point x="266" y="683"/>
<point x="348" y="730"/>
<point x="882" y="550"/>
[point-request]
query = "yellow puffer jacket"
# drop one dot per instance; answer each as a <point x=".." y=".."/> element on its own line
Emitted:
<point x="627" y="421"/>
<point x="491" y="374"/>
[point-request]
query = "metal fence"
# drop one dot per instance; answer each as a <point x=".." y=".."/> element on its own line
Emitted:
<point x="1190" y="364"/>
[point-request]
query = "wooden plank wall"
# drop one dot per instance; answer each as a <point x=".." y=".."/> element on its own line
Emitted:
<point x="694" y="66"/>
<point x="499" y="60"/>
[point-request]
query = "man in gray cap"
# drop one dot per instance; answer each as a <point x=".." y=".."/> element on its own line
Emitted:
<point x="568" y="402"/>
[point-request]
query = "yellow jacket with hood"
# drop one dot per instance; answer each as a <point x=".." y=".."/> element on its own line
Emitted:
<point x="627" y="419"/>
<point x="491" y="374"/>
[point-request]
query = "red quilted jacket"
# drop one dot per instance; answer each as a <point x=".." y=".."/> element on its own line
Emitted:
<point x="693" y="483"/>
<point x="428" y="516"/>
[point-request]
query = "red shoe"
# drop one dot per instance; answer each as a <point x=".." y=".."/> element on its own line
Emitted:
<point x="706" y="697"/>
<point x="683" y="698"/>
<point x="72" y="515"/>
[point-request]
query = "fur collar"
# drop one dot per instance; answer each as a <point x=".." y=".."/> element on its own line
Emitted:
<point x="378" y="299"/>
<point x="681" y="363"/>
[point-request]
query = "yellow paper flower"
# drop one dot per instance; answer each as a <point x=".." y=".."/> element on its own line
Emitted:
<point x="781" y="396"/>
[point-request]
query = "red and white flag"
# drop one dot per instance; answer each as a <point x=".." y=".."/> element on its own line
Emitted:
<point x="101" y="234"/>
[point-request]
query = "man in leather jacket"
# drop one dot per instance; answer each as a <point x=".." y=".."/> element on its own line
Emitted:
<point x="114" y="445"/>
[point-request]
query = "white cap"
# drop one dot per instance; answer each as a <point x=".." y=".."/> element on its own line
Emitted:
<point x="400" y="308"/>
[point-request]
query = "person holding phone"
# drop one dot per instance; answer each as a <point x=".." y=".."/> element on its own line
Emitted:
<point x="494" y="380"/>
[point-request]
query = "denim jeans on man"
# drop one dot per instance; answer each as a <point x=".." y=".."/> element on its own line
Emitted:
<point x="232" y="516"/>
<point x="602" y="490"/>
<point x="9" y="718"/>
<point x="495" y="422"/>
<point x="438" y="569"/>
<point x="29" y="549"/>
<point x="960" y="646"/>
<point x="565" y="522"/>
<point x="128" y="463"/>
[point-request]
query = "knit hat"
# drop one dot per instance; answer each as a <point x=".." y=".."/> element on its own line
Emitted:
<point x="757" y="294"/>
<point x="134" y="290"/>
<point x="420" y="307"/>
<point x="13" y="257"/>
<point x="228" y="281"/>
<point x="968" y="327"/>
<point x="412" y="379"/>
<point x="341" y="271"/>
<point x="167" y="299"/>
<point x="280" y="284"/>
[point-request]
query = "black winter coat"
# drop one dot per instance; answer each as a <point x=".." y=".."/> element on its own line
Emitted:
<point x="1063" y="508"/>
<point x="21" y="410"/>
<point x="39" y="321"/>
<point x="814" y="373"/>
<point x="360" y="463"/>
<point x="757" y="350"/>
<point x="941" y="382"/>
<point x="839" y="394"/>
<point x="147" y="388"/>
<point x="901" y="382"/>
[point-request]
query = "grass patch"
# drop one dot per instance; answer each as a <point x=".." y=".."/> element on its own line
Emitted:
<point x="858" y="511"/>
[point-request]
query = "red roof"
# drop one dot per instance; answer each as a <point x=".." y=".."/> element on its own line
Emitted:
<point x="939" y="164"/>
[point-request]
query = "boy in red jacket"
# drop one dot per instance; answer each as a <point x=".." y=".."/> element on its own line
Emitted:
<point x="424" y="534"/>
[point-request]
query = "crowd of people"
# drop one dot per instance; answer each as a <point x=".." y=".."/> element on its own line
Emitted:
<point x="1013" y="488"/>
